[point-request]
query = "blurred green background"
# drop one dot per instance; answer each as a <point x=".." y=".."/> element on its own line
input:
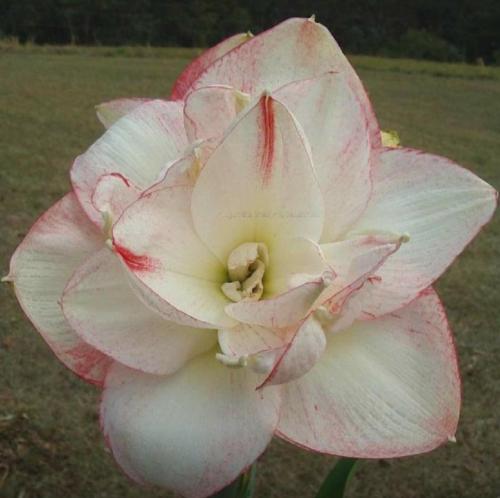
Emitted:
<point x="50" y="445"/>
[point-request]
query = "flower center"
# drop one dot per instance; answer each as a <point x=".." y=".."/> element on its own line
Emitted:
<point x="246" y="266"/>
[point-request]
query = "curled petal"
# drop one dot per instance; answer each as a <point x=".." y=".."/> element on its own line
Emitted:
<point x="137" y="147"/>
<point x="112" y="194"/>
<point x="385" y="388"/>
<point x="303" y="349"/>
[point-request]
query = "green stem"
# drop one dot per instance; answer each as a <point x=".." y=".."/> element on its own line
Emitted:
<point x="335" y="483"/>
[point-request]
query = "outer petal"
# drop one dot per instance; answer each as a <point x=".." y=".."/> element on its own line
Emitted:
<point x="337" y="125"/>
<point x="385" y="388"/>
<point x="137" y="146"/>
<point x="110" y="112"/>
<point x="193" y="432"/>
<point x="196" y="67"/>
<point x="42" y="264"/>
<point x="258" y="185"/>
<point x="294" y="50"/>
<point x="103" y="310"/>
<point x="439" y="204"/>
<point x="156" y="240"/>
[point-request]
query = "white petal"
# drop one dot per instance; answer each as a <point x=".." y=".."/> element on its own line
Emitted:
<point x="258" y="185"/>
<point x="440" y="205"/>
<point x="103" y="310"/>
<point x="110" y="112"/>
<point x="137" y="146"/>
<point x="280" y="311"/>
<point x="385" y="388"/>
<point x="303" y="350"/>
<point x="209" y="111"/>
<point x="338" y="127"/>
<point x="192" y="432"/>
<point x="60" y="240"/>
<point x="156" y="240"/>
<point x="245" y="340"/>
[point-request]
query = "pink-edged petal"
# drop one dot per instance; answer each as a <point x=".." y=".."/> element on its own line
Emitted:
<point x="60" y="240"/>
<point x="196" y="67"/>
<point x="294" y="50"/>
<point x="258" y="185"/>
<point x="138" y="146"/>
<point x="385" y="388"/>
<point x="112" y="194"/>
<point x="304" y="348"/>
<point x="440" y="205"/>
<point x="156" y="240"/>
<point x="192" y="432"/>
<point x="103" y="310"/>
<point x="354" y="262"/>
<point x="209" y="111"/>
<point x="337" y="125"/>
<point x="110" y="112"/>
<point x="246" y="340"/>
<point x="293" y="262"/>
<point x="185" y="170"/>
<point x="280" y="311"/>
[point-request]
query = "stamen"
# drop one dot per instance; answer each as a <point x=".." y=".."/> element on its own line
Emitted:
<point x="232" y="361"/>
<point x="246" y="266"/>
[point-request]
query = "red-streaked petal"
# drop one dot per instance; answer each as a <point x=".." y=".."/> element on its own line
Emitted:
<point x="294" y="50"/>
<point x="192" y="432"/>
<point x="59" y="241"/>
<point x="156" y="239"/>
<point x="385" y="388"/>
<point x="102" y="308"/>
<point x="196" y="67"/>
<point x="258" y="185"/>
<point x="440" y="205"/>
<point x="138" y="146"/>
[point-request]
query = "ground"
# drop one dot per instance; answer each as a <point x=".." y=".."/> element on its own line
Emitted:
<point x="50" y="445"/>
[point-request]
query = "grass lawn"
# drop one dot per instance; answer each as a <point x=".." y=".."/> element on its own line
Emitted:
<point x="50" y="445"/>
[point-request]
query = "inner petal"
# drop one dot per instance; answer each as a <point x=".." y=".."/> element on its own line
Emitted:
<point x="246" y="266"/>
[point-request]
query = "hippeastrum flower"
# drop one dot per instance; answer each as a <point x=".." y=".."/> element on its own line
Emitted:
<point x="248" y="259"/>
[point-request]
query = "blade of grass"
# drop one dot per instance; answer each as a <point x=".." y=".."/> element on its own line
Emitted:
<point x="334" y="485"/>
